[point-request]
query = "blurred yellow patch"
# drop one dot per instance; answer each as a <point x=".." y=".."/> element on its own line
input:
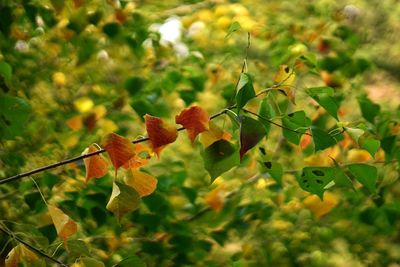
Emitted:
<point x="292" y="206"/>
<point x="320" y="208"/>
<point x="100" y="111"/>
<point x="358" y="155"/>
<point x="107" y="126"/>
<point x="205" y="15"/>
<point x="215" y="198"/>
<point x="281" y="225"/>
<point x="83" y="104"/>
<point x="70" y="141"/>
<point x="75" y="123"/>
<point x="224" y="22"/>
<point x="59" y="79"/>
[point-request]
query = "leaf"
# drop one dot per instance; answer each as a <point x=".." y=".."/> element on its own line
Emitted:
<point x="369" y="110"/>
<point x="220" y="157"/>
<point x="123" y="200"/>
<point x="216" y="198"/>
<point x="232" y="28"/>
<point x="314" y="179"/>
<point x="321" y="139"/>
<point x="5" y="70"/>
<point x="284" y="81"/>
<point x="297" y="121"/>
<point x="14" y="115"/>
<point x="251" y="132"/>
<point x="355" y="133"/>
<point x="131" y="261"/>
<point x="160" y="133"/>
<point x="324" y="97"/>
<point x="88" y="262"/>
<point x="141" y="158"/>
<point x="321" y="207"/>
<point x="274" y="169"/>
<point x="371" y="145"/>
<point x="195" y="120"/>
<point x="367" y="175"/>
<point x="245" y="91"/>
<point x="213" y="134"/>
<point x="21" y="254"/>
<point x="265" y="111"/>
<point x="119" y="149"/>
<point x="96" y="166"/>
<point x="65" y="226"/>
<point x="142" y="182"/>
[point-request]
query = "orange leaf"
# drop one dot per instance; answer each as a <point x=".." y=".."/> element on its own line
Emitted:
<point x="65" y="226"/>
<point x="96" y="166"/>
<point x="119" y="148"/>
<point x="160" y="133"/>
<point x="215" y="199"/>
<point x="142" y="182"/>
<point x="195" y="120"/>
<point x="139" y="160"/>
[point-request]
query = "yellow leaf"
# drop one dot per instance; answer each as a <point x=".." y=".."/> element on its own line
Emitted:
<point x="142" y="182"/>
<point x="358" y="155"/>
<point x="285" y="79"/>
<point x="318" y="207"/>
<point x="215" y="199"/>
<point x="65" y="226"/>
<point x="21" y="254"/>
<point x="75" y="123"/>
<point x="83" y="104"/>
<point x="212" y="135"/>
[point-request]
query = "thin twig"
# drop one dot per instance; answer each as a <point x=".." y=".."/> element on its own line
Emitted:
<point x="31" y="247"/>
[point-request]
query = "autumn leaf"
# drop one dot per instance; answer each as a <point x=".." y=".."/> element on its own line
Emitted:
<point x="141" y="158"/>
<point x="119" y="148"/>
<point x="215" y="199"/>
<point x="285" y="79"/>
<point x="21" y="254"/>
<point x="96" y="166"/>
<point x="65" y="226"/>
<point x="195" y="120"/>
<point x="212" y="135"/>
<point x="123" y="199"/>
<point x="160" y="133"/>
<point x="142" y="182"/>
<point x="321" y="207"/>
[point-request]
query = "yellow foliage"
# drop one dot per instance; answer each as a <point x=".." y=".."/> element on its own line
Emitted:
<point x="59" y="79"/>
<point x="320" y="208"/>
<point x="281" y="225"/>
<point x="358" y="155"/>
<point x="83" y="104"/>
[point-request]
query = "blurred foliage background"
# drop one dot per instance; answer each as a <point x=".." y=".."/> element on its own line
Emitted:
<point x="84" y="68"/>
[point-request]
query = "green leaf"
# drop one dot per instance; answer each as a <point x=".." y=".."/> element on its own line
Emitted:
<point x="274" y="169"/>
<point x="355" y="133"/>
<point x="369" y="110"/>
<point x="77" y="248"/>
<point x="245" y="91"/>
<point x="365" y="174"/>
<point x="131" y="261"/>
<point x="90" y="262"/>
<point x="314" y="179"/>
<point x="220" y="157"/>
<point x="5" y="70"/>
<point x="123" y="199"/>
<point x="324" y="97"/>
<point x="14" y="114"/>
<point x="341" y="179"/>
<point x="321" y="139"/>
<point x="251" y="132"/>
<point x="296" y="121"/>
<point x="232" y="28"/>
<point x="265" y="111"/>
<point x="371" y="145"/>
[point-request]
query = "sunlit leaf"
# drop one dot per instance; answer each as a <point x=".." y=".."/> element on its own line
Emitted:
<point x="245" y="91"/>
<point x="123" y="200"/>
<point x="321" y="139"/>
<point x="142" y="182"/>
<point x="355" y="133"/>
<point x="96" y="166"/>
<point x="284" y="80"/>
<point x="213" y="134"/>
<point x="324" y="97"/>
<point x="195" y="120"/>
<point x="369" y="109"/>
<point x="65" y="226"/>
<point x="119" y="149"/>
<point x="251" y="132"/>
<point x="371" y="145"/>
<point x="367" y="175"/>
<point x="160" y="133"/>
<point x="321" y="207"/>
<point x="20" y="255"/>
<point x="220" y="157"/>
<point x="314" y="179"/>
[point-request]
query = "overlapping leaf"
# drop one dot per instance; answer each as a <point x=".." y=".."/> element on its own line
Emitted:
<point x="96" y="166"/>
<point x="297" y="121"/>
<point x="213" y="134"/>
<point x="367" y="175"/>
<point x="142" y="182"/>
<point x="119" y="148"/>
<point x="251" y="132"/>
<point x="65" y="226"/>
<point x="284" y="80"/>
<point x="123" y="200"/>
<point x="245" y="90"/>
<point x="160" y="133"/>
<point x="195" y="120"/>
<point x="21" y="254"/>
<point x="324" y="97"/>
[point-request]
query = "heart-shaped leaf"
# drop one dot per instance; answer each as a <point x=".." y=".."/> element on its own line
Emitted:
<point x="120" y="149"/>
<point x="314" y="179"/>
<point x="251" y="132"/>
<point x="160" y="133"/>
<point x="142" y="182"/>
<point x="96" y="166"/>
<point x="195" y="120"/>
<point x="365" y="174"/>
<point x="123" y="200"/>
<point x="245" y="91"/>
<point x="65" y="226"/>
<point x="324" y="97"/>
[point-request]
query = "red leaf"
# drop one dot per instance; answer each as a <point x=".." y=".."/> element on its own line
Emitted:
<point x="160" y="133"/>
<point x="119" y="148"/>
<point x="142" y="157"/>
<point x="96" y="166"/>
<point x="195" y="120"/>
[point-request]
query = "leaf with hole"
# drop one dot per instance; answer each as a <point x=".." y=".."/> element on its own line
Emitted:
<point x="315" y="179"/>
<point x="251" y="132"/>
<point x="220" y="157"/>
<point x="367" y="175"/>
<point x="297" y="121"/>
<point x="273" y="168"/>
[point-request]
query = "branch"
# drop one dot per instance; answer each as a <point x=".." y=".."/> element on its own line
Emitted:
<point x="31" y="247"/>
